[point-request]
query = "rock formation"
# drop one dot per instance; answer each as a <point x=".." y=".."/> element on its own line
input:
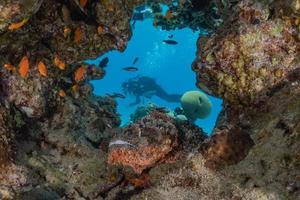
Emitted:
<point x="55" y="135"/>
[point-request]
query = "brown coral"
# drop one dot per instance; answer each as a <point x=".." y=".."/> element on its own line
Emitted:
<point x="226" y="148"/>
<point x="6" y="139"/>
<point x="243" y="64"/>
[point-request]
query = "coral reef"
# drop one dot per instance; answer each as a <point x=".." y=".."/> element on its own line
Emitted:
<point x="54" y="134"/>
<point x="246" y="63"/>
<point x="192" y="14"/>
<point x="6" y="138"/>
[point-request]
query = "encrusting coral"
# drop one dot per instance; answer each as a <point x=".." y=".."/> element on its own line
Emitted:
<point x="54" y="134"/>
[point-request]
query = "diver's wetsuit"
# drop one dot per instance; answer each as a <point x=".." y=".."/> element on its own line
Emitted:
<point x="144" y="86"/>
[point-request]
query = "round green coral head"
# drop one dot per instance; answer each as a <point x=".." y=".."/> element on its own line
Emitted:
<point x="196" y="105"/>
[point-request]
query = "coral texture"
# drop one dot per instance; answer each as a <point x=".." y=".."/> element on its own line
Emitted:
<point x="148" y="141"/>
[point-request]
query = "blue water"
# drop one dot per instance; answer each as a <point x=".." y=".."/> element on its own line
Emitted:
<point x="170" y="65"/>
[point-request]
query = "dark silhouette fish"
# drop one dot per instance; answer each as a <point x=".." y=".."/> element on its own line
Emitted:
<point x="103" y="63"/>
<point x="162" y="109"/>
<point x="172" y="42"/>
<point x="135" y="60"/>
<point x="130" y="69"/>
<point x="116" y="95"/>
<point x="170" y="36"/>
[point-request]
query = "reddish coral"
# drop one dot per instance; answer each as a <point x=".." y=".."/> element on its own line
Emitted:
<point x="151" y="139"/>
<point x="139" y="159"/>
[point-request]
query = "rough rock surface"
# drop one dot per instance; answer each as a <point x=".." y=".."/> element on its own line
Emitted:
<point x="54" y="134"/>
<point x="147" y="142"/>
<point x="226" y="147"/>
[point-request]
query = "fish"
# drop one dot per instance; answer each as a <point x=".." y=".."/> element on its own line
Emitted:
<point x="82" y="3"/>
<point x="135" y="60"/>
<point x="42" y="69"/>
<point x="172" y="42"/>
<point x="101" y="29"/>
<point x="61" y="93"/>
<point x="79" y="74"/>
<point x="161" y="109"/>
<point x="116" y="95"/>
<point x="103" y="63"/>
<point x="168" y="14"/>
<point x="24" y="66"/>
<point x="130" y="69"/>
<point x="121" y="142"/>
<point x="9" y="67"/>
<point x="170" y="36"/>
<point x="18" y="25"/>
<point x="67" y="31"/>
<point x="59" y="63"/>
<point x="77" y="35"/>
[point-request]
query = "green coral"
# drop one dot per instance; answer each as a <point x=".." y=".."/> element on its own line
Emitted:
<point x="196" y="105"/>
<point x="277" y="29"/>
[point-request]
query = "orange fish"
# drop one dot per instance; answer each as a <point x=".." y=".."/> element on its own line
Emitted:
<point x="61" y="93"/>
<point x="80" y="73"/>
<point x="101" y="29"/>
<point x="42" y="69"/>
<point x="82" y="3"/>
<point x="10" y="67"/>
<point x="67" y="31"/>
<point x="168" y="14"/>
<point x="59" y="63"/>
<point x="24" y="66"/>
<point x="77" y="35"/>
<point x="15" y="26"/>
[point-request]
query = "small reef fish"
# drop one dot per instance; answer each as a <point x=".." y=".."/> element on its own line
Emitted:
<point x="79" y="74"/>
<point x="9" y="67"/>
<point x="103" y="63"/>
<point x="42" y="69"/>
<point x="116" y="95"/>
<point x="168" y="14"/>
<point x="170" y="36"/>
<point x="67" y="31"/>
<point x="77" y="35"/>
<point x="121" y="142"/>
<point x="101" y="29"/>
<point x="59" y="63"/>
<point x="172" y="42"/>
<point x="82" y="3"/>
<point x="161" y="109"/>
<point x="24" y="66"/>
<point x="135" y="60"/>
<point x="130" y="69"/>
<point x="61" y="93"/>
<point x="18" y="25"/>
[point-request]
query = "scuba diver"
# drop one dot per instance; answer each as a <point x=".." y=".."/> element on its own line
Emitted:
<point x="143" y="86"/>
<point x="141" y="13"/>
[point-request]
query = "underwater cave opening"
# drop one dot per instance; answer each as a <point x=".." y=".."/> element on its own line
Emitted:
<point x="168" y="64"/>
